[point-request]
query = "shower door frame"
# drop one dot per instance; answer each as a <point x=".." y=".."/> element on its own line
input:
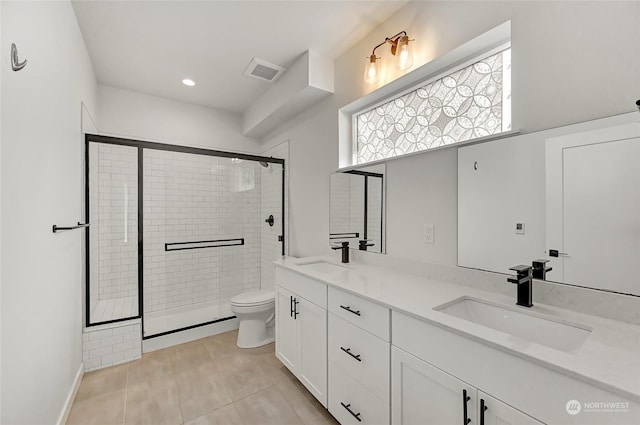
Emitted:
<point x="141" y="145"/>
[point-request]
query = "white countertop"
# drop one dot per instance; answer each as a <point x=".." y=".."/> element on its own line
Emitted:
<point x="609" y="358"/>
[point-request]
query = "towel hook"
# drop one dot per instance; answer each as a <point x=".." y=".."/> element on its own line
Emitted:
<point x="16" y="65"/>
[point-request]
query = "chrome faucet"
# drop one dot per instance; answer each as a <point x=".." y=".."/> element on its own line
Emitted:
<point x="345" y="251"/>
<point x="524" y="280"/>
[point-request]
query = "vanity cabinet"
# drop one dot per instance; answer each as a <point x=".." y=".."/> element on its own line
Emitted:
<point x="359" y="359"/>
<point x="301" y="330"/>
<point x="511" y="385"/>
<point x="424" y="394"/>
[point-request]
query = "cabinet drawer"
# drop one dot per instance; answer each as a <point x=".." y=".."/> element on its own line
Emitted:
<point x="362" y="355"/>
<point x="369" y="316"/>
<point x="347" y="395"/>
<point x="307" y="288"/>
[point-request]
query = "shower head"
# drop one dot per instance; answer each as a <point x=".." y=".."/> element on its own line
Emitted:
<point x="266" y="164"/>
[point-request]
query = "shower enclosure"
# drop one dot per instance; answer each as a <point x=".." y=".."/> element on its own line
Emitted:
<point x="176" y="232"/>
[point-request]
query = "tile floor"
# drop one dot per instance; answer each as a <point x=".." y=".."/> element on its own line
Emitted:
<point x="208" y="381"/>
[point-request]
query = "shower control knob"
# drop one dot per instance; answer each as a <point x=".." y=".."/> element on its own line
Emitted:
<point x="270" y="220"/>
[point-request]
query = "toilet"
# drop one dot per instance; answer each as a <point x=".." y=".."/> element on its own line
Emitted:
<point x="256" y="312"/>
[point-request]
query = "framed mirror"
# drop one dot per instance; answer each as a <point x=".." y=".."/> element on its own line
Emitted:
<point x="569" y="197"/>
<point x="357" y="208"/>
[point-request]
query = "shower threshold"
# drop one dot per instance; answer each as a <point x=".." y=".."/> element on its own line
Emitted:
<point x="165" y="321"/>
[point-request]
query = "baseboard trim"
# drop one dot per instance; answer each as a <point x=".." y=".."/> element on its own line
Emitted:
<point x="64" y="415"/>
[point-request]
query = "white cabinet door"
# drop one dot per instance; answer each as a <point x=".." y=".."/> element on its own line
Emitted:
<point x="494" y="412"/>
<point x="312" y="328"/>
<point x="286" y="330"/>
<point x="423" y="394"/>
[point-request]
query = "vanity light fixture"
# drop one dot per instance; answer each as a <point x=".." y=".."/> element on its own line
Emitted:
<point x="188" y="82"/>
<point x="400" y="49"/>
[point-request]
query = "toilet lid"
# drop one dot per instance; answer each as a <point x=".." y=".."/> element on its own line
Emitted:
<point x="254" y="298"/>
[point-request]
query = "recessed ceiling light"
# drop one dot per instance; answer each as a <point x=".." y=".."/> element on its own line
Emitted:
<point x="188" y="82"/>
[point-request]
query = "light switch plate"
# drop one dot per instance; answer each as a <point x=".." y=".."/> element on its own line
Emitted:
<point x="520" y="228"/>
<point x="429" y="233"/>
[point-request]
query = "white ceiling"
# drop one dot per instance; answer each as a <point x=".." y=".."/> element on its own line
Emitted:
<point x="150" y="46"/>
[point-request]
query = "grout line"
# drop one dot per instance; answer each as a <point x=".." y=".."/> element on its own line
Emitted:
<point x="238" y="413"/>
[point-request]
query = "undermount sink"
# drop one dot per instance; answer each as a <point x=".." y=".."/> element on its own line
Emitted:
<point x="529" y="326"/>
<point x="322" y="267"/>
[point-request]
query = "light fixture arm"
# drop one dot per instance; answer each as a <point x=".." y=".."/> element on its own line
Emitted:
<point x="393" y="40"/>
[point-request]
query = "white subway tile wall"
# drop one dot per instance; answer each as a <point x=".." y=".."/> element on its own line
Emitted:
<point x="340" y="202"/>
<point x="190" y="198"/>
<point x="108" y="345"/>
<point x="113" y="206"/>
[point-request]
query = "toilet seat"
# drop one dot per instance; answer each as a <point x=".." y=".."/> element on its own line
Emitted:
<point x="253" y="298"/>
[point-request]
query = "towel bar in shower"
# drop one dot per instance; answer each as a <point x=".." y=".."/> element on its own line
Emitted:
<point x="179" y="246"/>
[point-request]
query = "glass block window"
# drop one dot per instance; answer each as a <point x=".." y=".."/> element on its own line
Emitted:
<point x="472" y="102"/>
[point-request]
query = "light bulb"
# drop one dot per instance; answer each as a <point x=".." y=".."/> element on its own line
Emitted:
<point x="371" y="71"/>
<point x="404" y="57"/>
<point x="188" y="82"/>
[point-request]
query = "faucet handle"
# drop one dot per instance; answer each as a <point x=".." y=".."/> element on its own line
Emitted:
<point x="539" y="264"/>
<point x="521" y="269"/>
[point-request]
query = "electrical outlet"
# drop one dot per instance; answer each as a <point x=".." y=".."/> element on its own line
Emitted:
<point x="429" y="233"/>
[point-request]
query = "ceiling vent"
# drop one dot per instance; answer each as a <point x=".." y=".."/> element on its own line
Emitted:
<point x="263" y="70"/>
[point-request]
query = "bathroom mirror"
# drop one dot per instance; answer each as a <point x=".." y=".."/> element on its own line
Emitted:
<point x="570" y="196"/>
<point x="357" y="208"/>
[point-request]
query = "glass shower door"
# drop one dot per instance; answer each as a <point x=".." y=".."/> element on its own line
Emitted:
<point x="202" y="237"/>
<point x="112" y="241"/>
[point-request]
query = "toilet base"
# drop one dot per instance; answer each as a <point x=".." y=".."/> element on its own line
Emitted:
<point x="255" y="333"/>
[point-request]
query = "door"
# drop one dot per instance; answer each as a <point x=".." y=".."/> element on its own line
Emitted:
<point x="113" y="281"/>
<point x="494" y="412"/>
<point x="312" y="322"/>
<point x="286" y="330"/>
<point x="593" y="207"/>
<point x="424" y="394"/>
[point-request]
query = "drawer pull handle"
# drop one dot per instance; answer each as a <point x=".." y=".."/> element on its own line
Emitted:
<point x="355" y="415"/>
<point x="465" y="399"/>
<point x="483" y="407"/>
<point x="348" y="308"/>
<point x="348" y="351"/>
<point x="291" y="305"/>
